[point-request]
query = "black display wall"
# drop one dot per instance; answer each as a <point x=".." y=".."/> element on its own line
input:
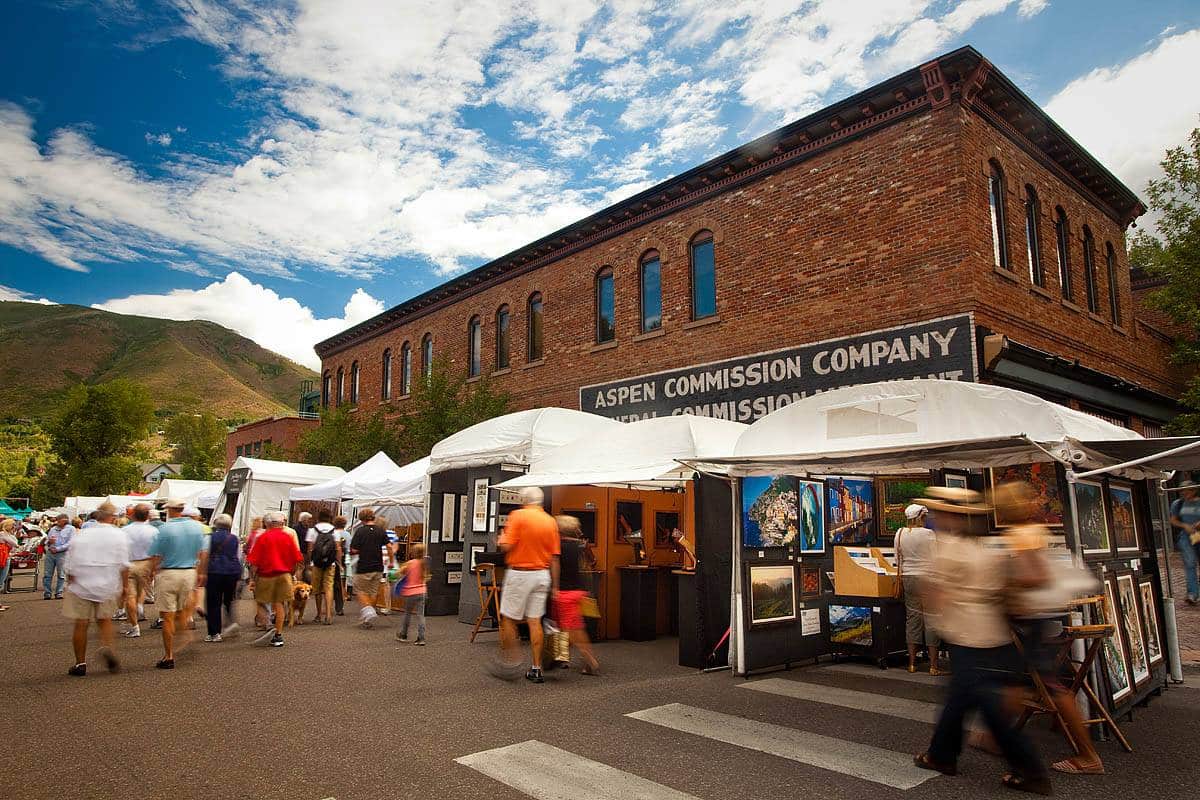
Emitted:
<point x="704" y="600"/>
<point x="442" y="596"/>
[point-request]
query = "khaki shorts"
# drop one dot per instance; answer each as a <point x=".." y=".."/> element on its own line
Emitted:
<point x="173" y="589"/>
<point x="322" y="579"/>
<point x="524" y="593"/>
<point x="75" y="607"/>
<point x="138" y="580"/>
<point x="367" y="583"/>
<point x="275" y="589"/>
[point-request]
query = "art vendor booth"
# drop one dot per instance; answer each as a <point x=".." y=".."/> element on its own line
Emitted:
<point x="658" y="535"/>
<point x="254" y="486"/>
<point x="395" y="493"/>
<point x="821" y="489"/>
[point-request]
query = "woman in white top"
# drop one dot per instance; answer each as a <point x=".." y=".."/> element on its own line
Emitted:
<point x="914" y="560"/>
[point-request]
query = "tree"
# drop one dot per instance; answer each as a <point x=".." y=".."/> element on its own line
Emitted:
<point x="198" y="444"/>
<point x="31" y="468"/>
<point x="1175" y="256"/>
<point x="97" y="434"/>
<point x="445" y="403"/>
<point x="346" y="438"/>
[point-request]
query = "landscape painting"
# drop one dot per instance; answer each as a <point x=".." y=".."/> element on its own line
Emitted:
<point x="768" y="511"/>
<point x="1093" y="524"/>
<point x="1043" y="477"/>
<point x="1131" y="615"/>
<point x="1113" y="653"/>
<point x="811" y="521"/>
<point x="1124" y="522"/>
<point x="1150" y="615"/>
<point x="851" y="506"/>
<point x="898" y="494"/>
<point x="850" y="625"/>
<point x="772" y="593"/>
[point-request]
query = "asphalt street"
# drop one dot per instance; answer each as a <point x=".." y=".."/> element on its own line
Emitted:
<point x="344" y="713"/>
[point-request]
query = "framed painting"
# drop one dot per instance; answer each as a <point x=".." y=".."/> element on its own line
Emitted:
<point x="449" y="517"/>
<point x="665" y="523"/>
<point x="850" y="506"/>
<point x="850" y="625"/>
<point x="810" y="583"/>
<point x="629" y="520"/>
<point x="1124" y="521"/>
<point x="768" y="511"/>
<point x="1112" y="654"/>
<point x="1154" y="640"/>
<point x="1093" y="522"/>
<point x="897" y="494"/>
<point x="810" y="505"/>
<point x="1043" y="477"/>
<point x="955" y="480"/>
<point x="1131" y="618"/>
<point x="479" y="510"/>
<point x="772" y="593"/>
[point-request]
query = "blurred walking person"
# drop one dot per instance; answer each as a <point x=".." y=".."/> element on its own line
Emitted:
<point x="339" y="574"/>
<point x="179" y="553"/>
<point x="58" y="542"/>
<point x="272" y="561"/>
<point x="97" y="565"/>
<point x="368" y="543"/>
<point x="415" y="574"/>
<point x="1185" y="518"/>
<point x="323" y="552"/>
<point x="224" y="570"/>
<point x="914" y="559"/>
<point x="140" y="535"/>
<point x="569" y="592"/>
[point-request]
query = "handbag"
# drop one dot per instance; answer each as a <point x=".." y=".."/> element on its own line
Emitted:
<point x="588" y="607"/>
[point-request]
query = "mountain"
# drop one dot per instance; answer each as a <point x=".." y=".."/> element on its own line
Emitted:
<point x="186" y="366"/>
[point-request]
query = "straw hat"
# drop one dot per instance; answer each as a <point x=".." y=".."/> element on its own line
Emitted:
<point x="952" y="500"/>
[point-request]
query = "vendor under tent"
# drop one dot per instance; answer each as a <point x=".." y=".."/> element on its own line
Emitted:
<point x="462" y="515"/>
<point x="254" y="486"/>
<point x="948" y="433"/>
<point x="632" y="476"/>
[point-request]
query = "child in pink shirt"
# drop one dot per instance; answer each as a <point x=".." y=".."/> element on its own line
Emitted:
<point x="415" y="572"/>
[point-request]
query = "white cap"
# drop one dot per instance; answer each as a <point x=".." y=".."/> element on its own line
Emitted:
<point x="191" y="511"/>
<point x="915" y="510"/>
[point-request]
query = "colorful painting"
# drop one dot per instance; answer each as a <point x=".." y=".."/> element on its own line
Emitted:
<point x="769" y="511"/>
<point x="772" y="593"/>
<point x="812" y="517"/>
<point x="1043" y="477"/>
<point x="1093" y="524"/>
<point x="1113" y="652"/>
<point x="1131" y="616"/>
<point x="851" y="505"/>
<point x="1124" y="522"/>
<point x="1150" y="615"/>
<point x="898" y="494"/>
<point x="810" y="582"/>
<point x="850" y="625"/>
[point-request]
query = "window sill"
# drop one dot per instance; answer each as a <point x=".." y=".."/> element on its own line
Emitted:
<point x="1067" y="304"/>
<point x="533" y="364"/>
<point x="1041" y="292"/>
<point x="499" y="372"/>
<point x="404" y="397"/>
<point x="654" y="334"/>
<point x="1006" y="274"/>
<point x="353" y="409"/>
<point x="1120" y="330"/>
<point x="474" y="379"/>
<point x="596" y="348"/>
<point x="702" y="322"/>
<point x="1094" y="317"/>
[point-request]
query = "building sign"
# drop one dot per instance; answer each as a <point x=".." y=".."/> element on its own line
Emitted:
<point x="746" y="388"/>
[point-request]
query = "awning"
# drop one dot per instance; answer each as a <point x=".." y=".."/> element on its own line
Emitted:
<point x="404" y="486"/>
<point x="517" y="438"/>
<point x="342" y="486"/>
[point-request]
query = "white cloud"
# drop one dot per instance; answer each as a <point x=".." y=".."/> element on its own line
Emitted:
<point x="1128" y="114"/>
<point x="1031" y="8"/>
<point x="9" y="294"/>
<point x="280" y="324"/>
<point x="161" y="139"/>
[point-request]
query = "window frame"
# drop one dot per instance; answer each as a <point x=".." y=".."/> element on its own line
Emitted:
<point x="1062" y="242"/>
<point x="699" y="239"/>
<point x="1033" y="239"/>
<point x="405" y="369"/>
<point x="326" y="388"/>
<point x="474" y="346"/>
<point x="1114" y="289"/>
<point x="603" y="274"/>
<point x="648" y="258"/>
<point x="997" y="216"/>
<point x="427" y="356"/>
<point x="341" y="385"/>
<point x="1090" y="285"/>
<point x="535" y="340"/>
<point x="503" y="337"/>
<point x="385" y="389"/>
<point x="355" y="372"/>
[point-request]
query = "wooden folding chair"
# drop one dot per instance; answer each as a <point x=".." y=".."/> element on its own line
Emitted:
<point x="489" y="595"/>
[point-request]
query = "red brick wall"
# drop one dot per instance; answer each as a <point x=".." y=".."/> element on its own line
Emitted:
<point x="888" y="229"/>
<point x="284" y="432"/>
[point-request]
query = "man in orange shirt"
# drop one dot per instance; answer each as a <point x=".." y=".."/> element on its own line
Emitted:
<point x="531" y="549"/>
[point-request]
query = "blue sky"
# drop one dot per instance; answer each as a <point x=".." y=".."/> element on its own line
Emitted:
<point x="288" y="169"/>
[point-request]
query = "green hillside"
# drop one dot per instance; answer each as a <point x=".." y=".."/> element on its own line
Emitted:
<point x="186" y="366"/>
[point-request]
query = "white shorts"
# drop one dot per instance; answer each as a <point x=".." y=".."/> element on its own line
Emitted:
<point x="524" y="593"/>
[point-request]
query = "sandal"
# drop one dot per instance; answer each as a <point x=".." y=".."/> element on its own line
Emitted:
<point x="1019" y="783"/>
<point x="1070" y="767"/>
<point x="912" y="668"/>
<point x="925" y="762"/>
<point x="937" y="672"/>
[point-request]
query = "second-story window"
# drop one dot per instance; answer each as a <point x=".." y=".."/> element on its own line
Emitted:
<point x="405" y="369"/>
<point x="1089" y="271"/>
<point x="704" y="276"/>
<point x="474" y="340"/>
<point x="650" y="268"/>
<point x="606" y="307"/>
<point x="502" y="338"/>
<point x="427" y="355"/>
<point x="533" y="333"/>
<point x="1062" y="240"/>
<point x="354" y="383"/>
<point x="996" y="209"/>
<point x="1033" y="244"/>
<point x="1114" y="286"/>
<point x="385" y="392"/>
<point x="341" y="386"/>
<point x="326" y="388"/>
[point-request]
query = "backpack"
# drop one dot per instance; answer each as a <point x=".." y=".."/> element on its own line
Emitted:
<point x="324" y="552"/>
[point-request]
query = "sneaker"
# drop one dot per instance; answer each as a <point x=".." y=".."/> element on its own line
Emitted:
<point x="149" y="599"/>
<point x="266" y="638"/>
<point x="165" y="663"/>
<point x="132" y="633"/>
<point x="157" y="624"/>
<point x="383" y="612"/>
<point x="141" y="614"/>
<point x="110" y="660"/>
<point x="58" y="596"/>
<point x="231" y="630"/>
<point x="534" y="676"/>
<point x="400" y="636"/>
<point x="1190" y="600"/>
<point x="216" y="637"/>
<point x="45" y="597"/>
<point x="120" y="616"/>
<point x="420" y="643"/>
<point x="277" y="640"/>
<point x="79" y="670"/>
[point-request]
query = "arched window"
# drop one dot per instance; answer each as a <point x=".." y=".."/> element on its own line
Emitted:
<point x="341" y="387"/>
<point x="1033" y="244"/>
<point x="474" y="341"/>
<point x="533" y="334"/>
<point x="1062" y="240"/>
<point x="326" y="387"/>
<point x="650" y="270"/>
<point x="996" y="208"/>
<point x="1089" y="271"/>
<point x="427" y="355"/>
<point x="606" y="307"/>
<point x="704" y="275"/>
<point x="385" y="392"/>
<point x="405" y="369"/>
<point x="354" y="383"/>
<point x="502" y="337"/>
<point x="1114" y="289"/>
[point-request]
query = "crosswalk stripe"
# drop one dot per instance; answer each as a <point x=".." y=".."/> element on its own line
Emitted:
<point x="874" y="764"/>
<point x="867" y="671"/>
<point x="546" y="772"/>
<point x="887" y="705"/>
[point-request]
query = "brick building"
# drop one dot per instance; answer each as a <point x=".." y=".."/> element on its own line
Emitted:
<point x="273" y="432"/>
<point x="941" y="193"/>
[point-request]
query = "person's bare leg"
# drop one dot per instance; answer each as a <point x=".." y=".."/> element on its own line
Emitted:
<point x="508" y="640"/>
<point x="583" y="644"/>
<point x="535" y="641"/>
<point x="132" y="600"/>
<point x="183" y="622"/>
<point x="79" y="640"/>
<point x="168" y="634"/>
<point x="106" y="632"/>
<point x="912" y="657"/>
<point x="279" y="618"/>
<point x="328" y="604"/>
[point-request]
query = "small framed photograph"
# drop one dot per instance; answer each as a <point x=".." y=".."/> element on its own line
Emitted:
<point x="454" y="557"/>
<point x="453" y="578"/>
<point x="1154" y="640"/>
<point x="1124" y="520"/>
<point x="772" y="593"/>
<point x="480" y="509"/>
<point x="1093" y="521"/>
<point x="810" y="583"/>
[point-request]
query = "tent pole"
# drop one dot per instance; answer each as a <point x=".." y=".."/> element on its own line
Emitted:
<point x="1183" y="448"/>
<point x="1173" y="658"/>
<point x="736" y="640"/>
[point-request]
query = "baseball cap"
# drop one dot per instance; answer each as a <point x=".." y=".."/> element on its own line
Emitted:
<point x="915" y="510"/>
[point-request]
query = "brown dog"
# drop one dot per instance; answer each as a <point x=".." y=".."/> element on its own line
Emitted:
<point x="295" y="608"/>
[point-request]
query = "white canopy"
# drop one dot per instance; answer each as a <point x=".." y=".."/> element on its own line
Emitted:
<point x="915" y="424"/>
<point x="642" y="453"/>
<point x="342" y="486"/>
<point x="191" y="492"/>
<point x="286" y="471"/>
<point x="265" y="486"/>
<point x="517" y="438"/>
<point x="122" y="501"/>
<point x="405" y="486"/>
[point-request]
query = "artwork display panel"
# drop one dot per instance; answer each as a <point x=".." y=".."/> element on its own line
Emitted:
<point x="810" y="522"/>
<point x="1093" y="522"/>
<point x="1154" y="647"/>
<point x="1043" y="478"/>
<point x="665" y="523"/>
<point x="1124" y="521"/>
<point x="772" y="593"/>
<point x="810" y="582"/>
<point x="480" y="509"/>
<point x="898" y="494"/>
<point x="629" y="519"/>
<point x="850" y="506"/>
<point x="769" y="516"/>
<point x="1131" y="618"/>
<point x="1112" y="654"/>
<point x="850" y="625"/>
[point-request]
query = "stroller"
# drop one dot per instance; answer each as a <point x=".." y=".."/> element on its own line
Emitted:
<point x="26" y="562"/>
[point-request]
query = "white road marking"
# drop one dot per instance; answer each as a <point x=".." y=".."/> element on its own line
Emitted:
<point x="867" y="671"/>
<point x="889" y="706"/>
<point x="550" y="773"/>
<point x="874" y="764"/>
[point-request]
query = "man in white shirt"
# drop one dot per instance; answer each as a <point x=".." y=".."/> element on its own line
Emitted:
<point x="97" y="567"/>
<point x="140" y="534"/>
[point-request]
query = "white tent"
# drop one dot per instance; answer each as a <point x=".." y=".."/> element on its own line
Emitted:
<point x="645" y="454"/>
<point x="121" y="501"/>
<point x="254" y="486"/>
<point x="406" y="486"/>
<point x="192" y="492"/>
<point x="342" y="486"/>
<point x="83" y="505"/>
<point x="517" y="438"/>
